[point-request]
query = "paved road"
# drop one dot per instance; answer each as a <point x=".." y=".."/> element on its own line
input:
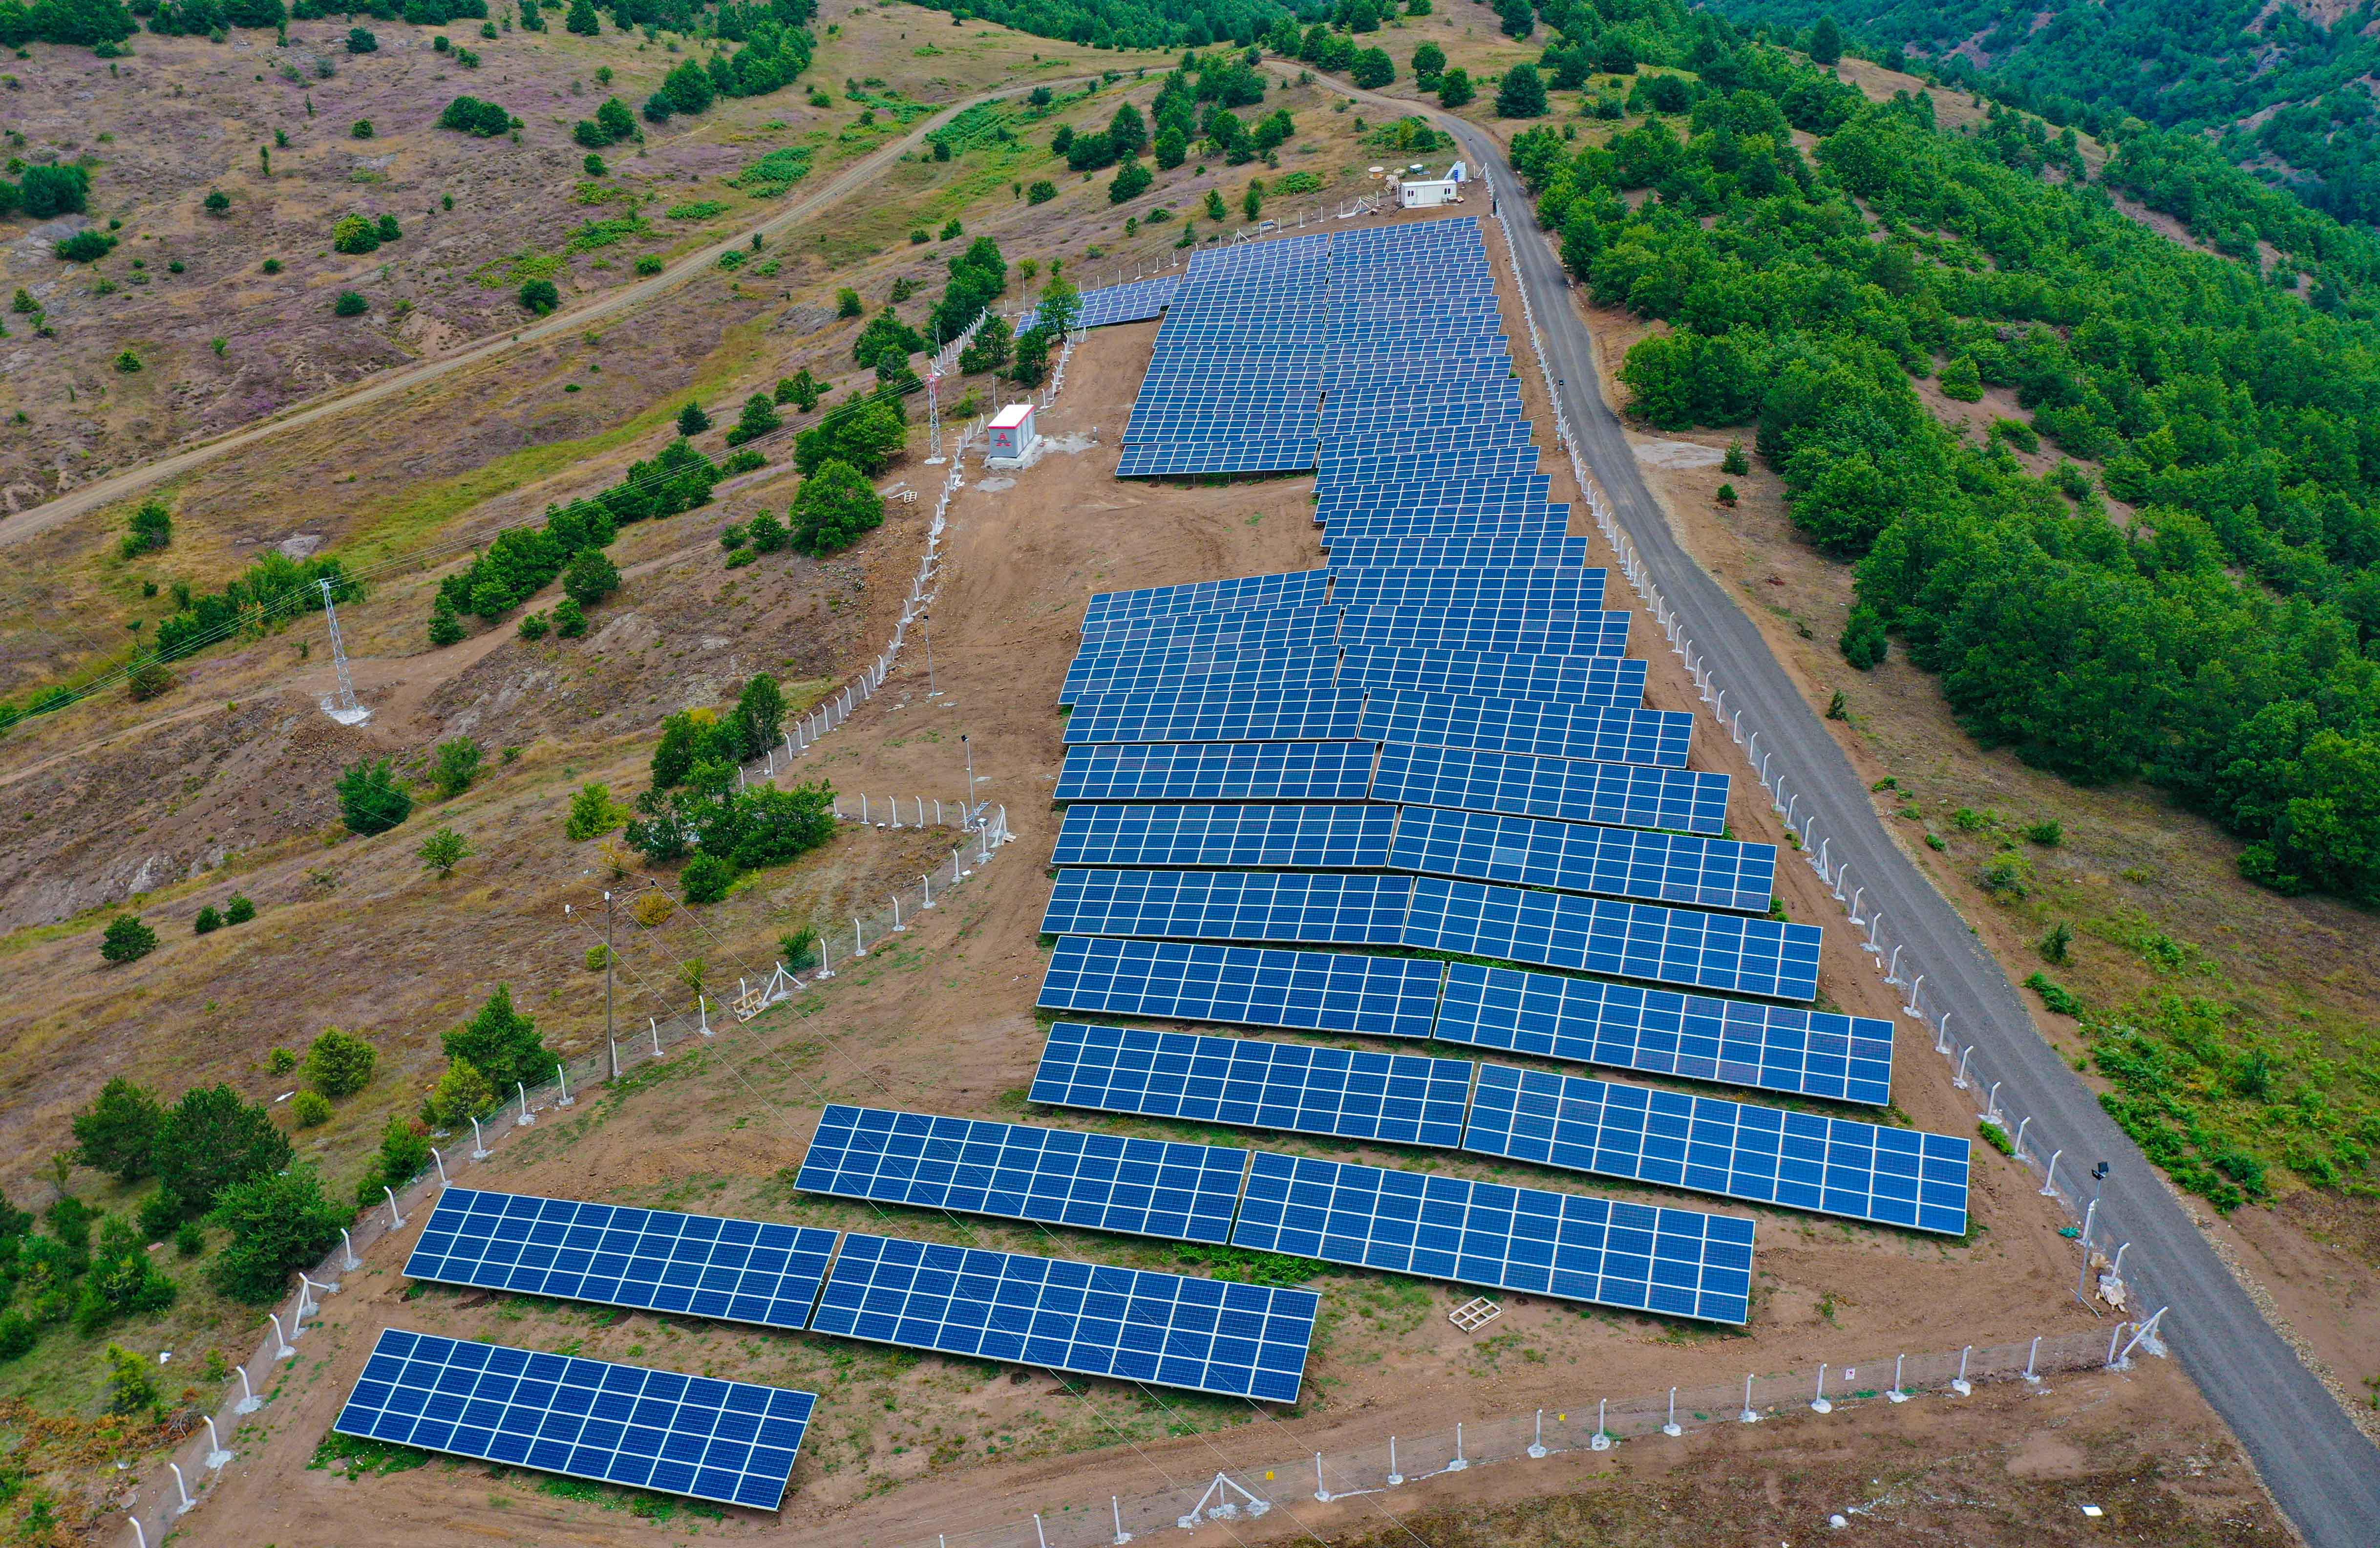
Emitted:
<point x="400" y="379"/>
<point x="2323" y="1470"/>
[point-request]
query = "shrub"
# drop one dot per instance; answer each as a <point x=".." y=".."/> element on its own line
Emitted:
<point x="1863" y="642"/>
<point x="707" y="877"/>
<point x="360" y="40"/>
<point x="207" y="923"/>
<point x="277" y="1223"/>
<point x="355" y="233"/>
<point x="309" y="1109"/>
<point x="403" y="1155"/>
<point x="589" y="578"/>
<point x="446" y="625"/>
<point x="486" y="120"/>
<point x="457" y="765"/>
<point x="126" y="939"/>
<point x="339" y="1064"/>
<point x="650" y="264"/>
<point x="370" y="800"/>
<point x="210" y="1141"/>
<point x="56" y="188"/>
<point x="461" y="1094"/>
<point x="1454" y="88"/>
<point x="540" y="296"/>
<point x="1961" y="381"/>
<point x="832" y="508"/>
<point x="799" y="949"/>
<point x="1040" y="191"/>
<point x="569" y="618"/>
<point x="592" y="814"/>
<point x="767" y="534"/>
<point x="2054" y="995"/>
<point x="2054" y="945"/>
<point x="349" y="304"/>
<point x="1132" y="179"/>
<point x="131" y="1388"/>
<point x="85" y="247"/>
<point x="117" y="1133"/>
<point x="360" y="130"/>
<point x="239" y="910"/>
<point x="759" y="418"/>
<point x="190" y="1240"/>
<point x="150" y="528"/>
<point x="2049" y="834"/>
<point x="533" y="625"/>
<point x="502" y="1043"/>
<point x="443" y="850"/>
<point x="280" y="1061"/>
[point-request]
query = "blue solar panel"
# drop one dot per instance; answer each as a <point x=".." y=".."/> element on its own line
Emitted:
<point x="1133" y="302"/>
<point x="1725" y="952"/>
<point x="698" y="1436"/>
<point x="1170" y="631"/>
<point x="1295" y="589"/>
<point x="1406" y="1099"/>
<point x="1229" y="906"/>
<point x="1696" y="1037"/>
<point x="1226" y="713"/>
<point x="1455" y="629"/>
<point x="1231" y="772"/>
<point x="1568" y="679"/>
<point x="1205" y="668"/>
<point x="1100" y="1182"/>
<point x="1536" y="1240"/>
<point x="1621" y="794"/>
<point x="1252" y="986"/>
<point x="1579" y="856"/>
<point x="1545" y="729"/>
<point x="1208" y="1336"/>
<point x="741" y="1271"/>
<point x="1571" y="588"/>
<point x="1335" y="837"/>
<point x="1804" y="1161"/>
<point x="1456" y="547"/>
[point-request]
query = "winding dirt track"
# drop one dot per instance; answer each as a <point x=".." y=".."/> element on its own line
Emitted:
<point x="372" y="389"/>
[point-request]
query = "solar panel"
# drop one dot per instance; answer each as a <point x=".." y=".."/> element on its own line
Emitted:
<point x="1229" y="906"/>
<point x="1454" y="629"/>
<point x="708" y="1439"/>
<point x="1570" y="680"/>
<point x="1225" y="714"/>
<point x="1545" y="729"/>
<point x="1406" y="1099"/>
<point x="1252" y="986"/>
<point x="1295" y="589"/>
<point x="1620" y="795"/>
<point x="1197" y="628"/>
<point x="1682" y="1263"/>
<point x="1572" y="587"/>
<point x="1228" y="771"/>
<point x="1203" y="668"/>
<point x="1100" y="1182"/>
<point x="1135" y="1325"/>
<point x="1579" y="856"/>
<point x="740" y="1271"/>
<point x="1456" y="547"/>
<point x="1696" y="1037"/>
<point x="1724" y="952"/>
<point x="1804" y="1161"/>
<point x="1133" y="301"/>
<point x="1320" y="836"/>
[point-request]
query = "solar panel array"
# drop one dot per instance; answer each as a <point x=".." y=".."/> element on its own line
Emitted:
<point x="1436" y="744"/>
<point x="1133" y="302"/>
<point x="731" y="1441"/>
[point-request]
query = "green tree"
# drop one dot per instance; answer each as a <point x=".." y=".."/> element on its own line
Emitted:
<point x="130" y="1387"/>
<point x="370" y="800"/>
<point x="760" y="716"/>
<point x="801" y="389"/>
<point x="339" y="1064"/>
<point x="462" y="1094"/>
<point x="847" y="303"/>
<point x="832" y="508"/>
<point x="1428" y="64"/>
<point x="403" y="1155"/>
<point x="239" y="910"/>
<point x="590" y="577"/>
<point x="446" y="624"/>
<point x="759" y="418"/>
<point x="276" y="1224"/>
<point x="1132" y="179"/>
<point x="1372" y="70"/>
<point x="867" y="436"/>
<point x="1454" y="88"/>
<point x="117" y="1133"/>
<point x="1735" y="463"/>
<point x="54" y="188"/>
<point x="126" y="939"/>
<point x="1826" y="42"/>
<point x="569" y="618"/>
<point x="211" y="1141"/>
<point x="1863" y="642"/>
<point x="150" y="528"/>
<point x="615" y="119"/>
<point x="443" y="851"/>
<point x="360" y="40"/>
<point x="1522" y="94"/>
<point x="691" y="420"/>
<point x="540" y="296"/>
<point x="1172" y="148"/>
<point x="457" y="766"/>
<point x="1961" y="381"/>
<point x="582" y="20"/>
<point x="706" y="878"/>
<point x="592" y="813"/>
<point x="1216" y="208"/>
<point x="206" y="922"/>
<point x="502" y="1043"/>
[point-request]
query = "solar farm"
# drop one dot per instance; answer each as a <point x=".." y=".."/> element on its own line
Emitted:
<point x="1388" y="854"/>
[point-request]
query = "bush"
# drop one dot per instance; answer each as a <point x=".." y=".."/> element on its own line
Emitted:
<point x="2049" y="834"/>
<point x="403" y="1155"/>
<point x="370" y="800"/>
<point x="210" y="1141"/>
<point x="117" y="1133"/>
<point x="759" y="418"/>
<point x="593" y="813"/>
<point x="2054" y="995"/>
<point x="832" y="508"/>
<point x="339" y="1064"/>
<point x="349" y="304"/>
<point x="360" y="40"/>
<point x="207" y="923"/>
<point x="85" y="247"/>
<point x="569" y="618"/>
<point x="360" y="130"/>
<point x="590" y="577"/>
<point x="847" y="303"/>
<point x="150" y="528"/>
<point x="277" y="1223"/>
<point x="1040" y="191"/>
<point x="309" y="1109"/>
<point x="692" y="421"/>
<point x="443" y="850"/>
<point x="1863" y="642"/>
<point x="126" y="939"/>
<point x="707" y="877"/>
<point x="239" y="910"/>
<point x="457" y="766"/>
<point x="461" y="1094"/>
<point x="189" y="1239"/>
<point x="501" y="1043"/>
<point x="56" y="188"/>
<point x="485" y="120"/>
<point x="533" y="625"/>
<point x="1132" y="179"/>
<point x="650" y="264"/>
<point x="540" y="296"/>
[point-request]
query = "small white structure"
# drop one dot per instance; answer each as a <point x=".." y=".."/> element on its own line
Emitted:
<point x="1427" y="193"/>
<point x="1012" y="437"/>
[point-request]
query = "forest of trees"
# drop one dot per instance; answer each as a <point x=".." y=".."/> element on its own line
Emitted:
<point x="2190" y="68"/>
<point x="1122" y="23"/>
<point x="2221" y="644"/>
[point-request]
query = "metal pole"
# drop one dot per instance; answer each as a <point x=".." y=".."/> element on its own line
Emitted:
<point x="2049" y="1178"/>
<point x="611" y="1037"/>
<point x="1671" y="1428"/>
<point x="1819" y="1405"/>
<point x="1959" y="1384"/>
<point x="347" y="698"/>
<point x="439" y="1161"/>
<point x="1960" y="1079"/>
<point x="1600" y="1441"/>
<point x="969" y="747"/>
<point x="347" y="1244"/>
<point x="248" y="1402"/>
<point x="1537" y="1446"/>
<point x="561" y="1078"/>
<point x="2030" y="1355"/>
<point x="396" y="1221"/>
<point x="1896" y="1394"/>
<point x="1395" y="1477"/>
<point x="1750" y="1415"/>
<point x="2016" y="1148"/>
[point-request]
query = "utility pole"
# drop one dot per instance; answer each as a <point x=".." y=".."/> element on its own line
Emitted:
<point x="925" y="632"/>
<point x="969" y="746"/>
<point x="341" y="706"/>
<point x="611" y="1040"/>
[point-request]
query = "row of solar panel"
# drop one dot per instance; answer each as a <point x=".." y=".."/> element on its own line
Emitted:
<point x="1805" y="1161"/>
<point x="1135" y="1324"/>
<point x="1226" y="710"/>
<point x="1513" y="1010"/>
<point x="1615" y="938"/>
<point x="1133" y="301"/>
<point x="1563" y="789"/>
<point x="1485" y="847"/>
<point x="1685" y="1262"/>
<point x="1553" y="680"/>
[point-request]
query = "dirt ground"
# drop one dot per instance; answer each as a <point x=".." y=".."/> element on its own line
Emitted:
<point x="904" y="1445"/>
